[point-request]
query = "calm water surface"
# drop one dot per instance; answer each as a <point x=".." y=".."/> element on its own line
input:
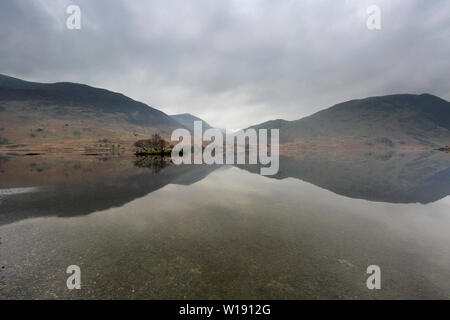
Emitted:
<point x="206" y="232"/>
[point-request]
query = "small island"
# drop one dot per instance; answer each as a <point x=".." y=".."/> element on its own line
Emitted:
<point x="155" y="146"/>
<point x="445" y="149"/>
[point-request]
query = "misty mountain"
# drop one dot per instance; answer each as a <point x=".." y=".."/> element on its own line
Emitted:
<point x="61" y="111"/>
<point x="402" y="119"/>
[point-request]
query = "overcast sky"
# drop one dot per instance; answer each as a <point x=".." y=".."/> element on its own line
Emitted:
<point x="232" y="63"/>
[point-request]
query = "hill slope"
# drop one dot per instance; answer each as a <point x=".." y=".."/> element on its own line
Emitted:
<point x="47" y="113"/>
<point x="404" y="119"/>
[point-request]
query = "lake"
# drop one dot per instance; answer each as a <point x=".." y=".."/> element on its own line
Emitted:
<point x="147" y="229"/>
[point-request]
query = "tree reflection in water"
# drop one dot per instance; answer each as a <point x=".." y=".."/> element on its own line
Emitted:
<point x="156" y="163"/>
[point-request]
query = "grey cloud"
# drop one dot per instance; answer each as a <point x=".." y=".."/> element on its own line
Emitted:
<point x="234" y="63"/>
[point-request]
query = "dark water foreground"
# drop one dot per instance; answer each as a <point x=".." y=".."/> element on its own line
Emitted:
<point x="158" y="231"/>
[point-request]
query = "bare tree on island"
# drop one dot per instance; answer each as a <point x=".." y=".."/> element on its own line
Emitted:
<point x="155" y="145"/>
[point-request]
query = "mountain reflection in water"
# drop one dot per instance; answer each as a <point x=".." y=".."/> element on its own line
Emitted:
<point x="146" y="228"/>
<point x="385" y="177"/>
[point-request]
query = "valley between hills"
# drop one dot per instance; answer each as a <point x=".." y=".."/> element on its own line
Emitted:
<point x="59" y="118"/>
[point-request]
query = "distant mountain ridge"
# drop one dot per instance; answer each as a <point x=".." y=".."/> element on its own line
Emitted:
<point x="83" y="95"/>
<point x="394" y="119"/>
<point x="187" y="120"/>
<point x="41" y="112"/>
<point x="64" y="112"/>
